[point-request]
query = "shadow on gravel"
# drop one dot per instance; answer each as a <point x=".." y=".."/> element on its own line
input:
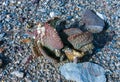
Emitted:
<point x="5" y="60"/>
<point x="100" y="39"/>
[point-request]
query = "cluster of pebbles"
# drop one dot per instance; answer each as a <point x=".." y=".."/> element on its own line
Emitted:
<point x="16" y="15"/>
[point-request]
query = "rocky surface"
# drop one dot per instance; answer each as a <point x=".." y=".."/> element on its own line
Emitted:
<point x="17" y="74"/>
<point x="93" y="23"/>
<point x="83" y="72"/>
<point x="16" y="15"/>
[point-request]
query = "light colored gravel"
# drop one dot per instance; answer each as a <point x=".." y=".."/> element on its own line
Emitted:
<point x="16" y="14"/>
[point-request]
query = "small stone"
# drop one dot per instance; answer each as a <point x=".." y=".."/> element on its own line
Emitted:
<point x="0" y="62"/>
<point x="27" y="59"/>
<point x="83" y="72"/>
<point x="2" y="35"/>
<point x="19" y="2"/>
<point x="118" y="44"/>
<point x="35" y="1"/>
<point x="18" y="74"/>
<point x="27" y="80"/>
<point x="118" y="12"/>
<point x="1" y="25"/>
<point x="1" y="49"/>
<point x="93" y="23"/>
<point x="103" y="17"/>
<point x="52" y="14"/>
<point x="5" y="3"/>
<point x="69" y="17"/>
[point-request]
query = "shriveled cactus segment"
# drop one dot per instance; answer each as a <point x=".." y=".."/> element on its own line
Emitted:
<point x="51" y="38"/>
<point x="72" y="31"/>
<point x="79" y="40"/>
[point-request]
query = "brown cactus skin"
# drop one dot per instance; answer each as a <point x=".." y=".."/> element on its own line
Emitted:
<point x="72" y="54"/>
<point x="52" y="39"/>
<point x="80" y="39"/>
<point x="47" y="39"/>
<point x="71" y="31"/>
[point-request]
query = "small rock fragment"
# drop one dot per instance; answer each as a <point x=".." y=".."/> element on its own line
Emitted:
<point x="26" y="40"/>
<point x="83" y="72"/>
<point x="27" y="59"/>
<point x="1" y="26"/>
<point x="27" y="80"/>
<point x="1" y="49"/>
<point x="35" y="1"/>
<point x="72" y="54"/>
<point x="0" y="62"/>
<point x="93" y="23"/>
<point x="2" y="35"/>
<point x="18" y="74"/>
<point x="52" y="14"/>
<point x="103" y="17"/>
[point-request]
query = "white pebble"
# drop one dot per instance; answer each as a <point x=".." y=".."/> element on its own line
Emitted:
<point x="27" y="80"/>
<point x="4" y="3"/>
<point x="52" y="14"/>
<point x="103" y="17"/>
<point x="19" y="2"/>
<point x="18" y="74"/>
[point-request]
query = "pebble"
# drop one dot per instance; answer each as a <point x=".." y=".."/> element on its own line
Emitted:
<point x="18" y="74"/>
<point x="5" y="72"/>
<point x="5" y="3"/>
<point x="1" y="49"/>
<point x="2" y="35"/>
<point x="52" y="14"/>
<point x="118" y="44"/>
<point x="83" y="72"/>
<point x="93" y="23"/>
<point x="35" y="1"/>
<point x="1" y="26"/>
<point x="26" y="59"/>
<point x="103" y="17"/>
<point x="0" y="62"/>
<point x="118" y="12"/>
<point x="27" y="80"/>
<point x="69" y="17"/>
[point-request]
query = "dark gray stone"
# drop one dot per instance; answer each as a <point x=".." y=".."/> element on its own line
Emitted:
<point x="0" y="62"/>
<point x="92" y="21"/>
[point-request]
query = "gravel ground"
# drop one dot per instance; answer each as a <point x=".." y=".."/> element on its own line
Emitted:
<point x="15" y="15"/>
